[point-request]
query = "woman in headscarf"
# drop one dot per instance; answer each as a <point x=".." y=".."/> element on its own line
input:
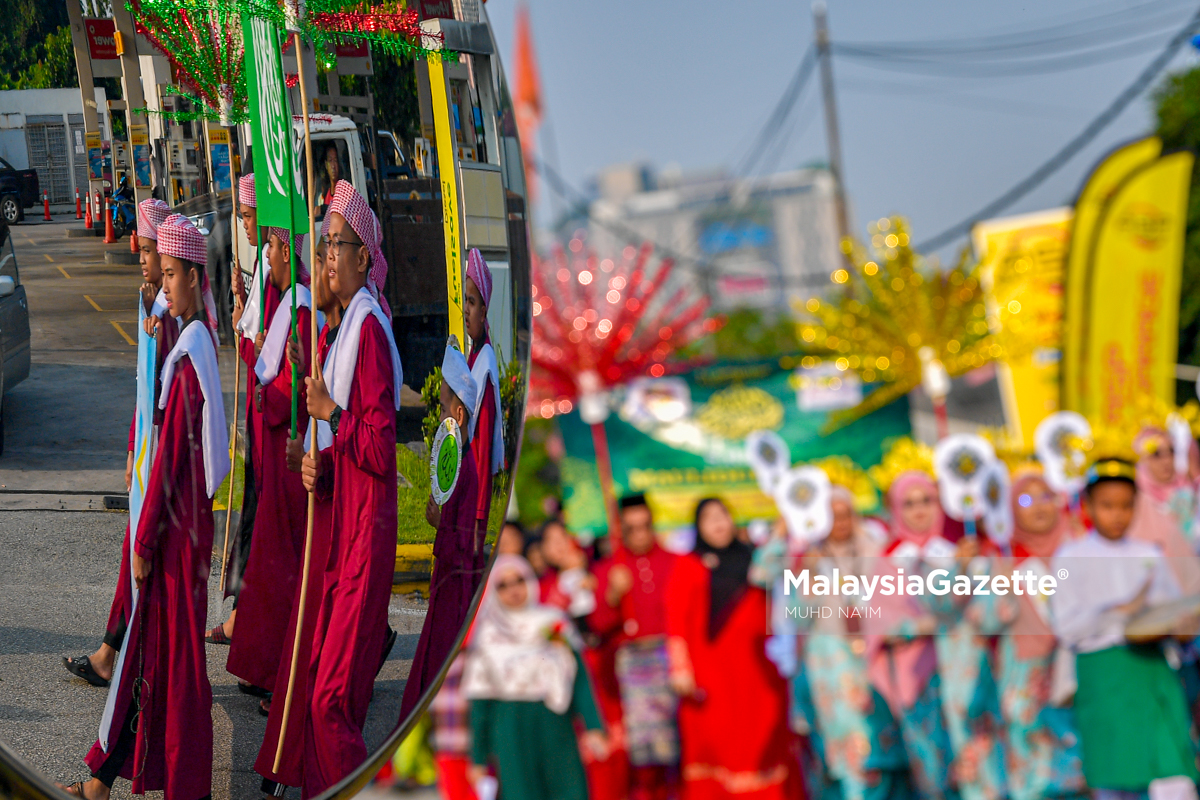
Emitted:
<point x="854" y="733"/>
<point x="1043" y="757"/>
<point x="487" y="421"/>
<point x="733" y="720"/>
<point x="900" y="651"/>
<point x="527" y="686"/>
<point x="1165" y="506"/>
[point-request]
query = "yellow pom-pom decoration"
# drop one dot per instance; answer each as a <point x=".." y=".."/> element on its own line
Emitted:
<point x="904" y="455"/>
<point x="842" y="471"/>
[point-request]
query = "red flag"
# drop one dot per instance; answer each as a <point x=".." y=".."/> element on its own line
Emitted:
<point x="528" y="100"/>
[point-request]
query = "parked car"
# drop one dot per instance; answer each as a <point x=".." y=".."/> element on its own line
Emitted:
<point x="14" y="323"/>
<point x="18" y="191"/>
<point x="213" y="215"/>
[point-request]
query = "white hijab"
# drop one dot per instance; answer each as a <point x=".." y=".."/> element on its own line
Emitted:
<point x="512" y="655"/>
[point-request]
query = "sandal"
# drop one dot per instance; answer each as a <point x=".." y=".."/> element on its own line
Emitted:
<point x="264" y="707"/>
<point x="217" y="636"/>
<point x="81" y="667"/>
<point x="75" y="789"/>
<point x="252" y="690"/>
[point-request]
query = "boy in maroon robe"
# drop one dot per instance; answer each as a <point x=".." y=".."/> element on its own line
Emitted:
<point x="97" y="668"/>
<point x="458" y="558"/>
<point x="487" y="424"/>
<point x="277" y="544"/>
<point x="357" y="394"/>
<point x="253" y="309"/>
<point x="157" y="726"/>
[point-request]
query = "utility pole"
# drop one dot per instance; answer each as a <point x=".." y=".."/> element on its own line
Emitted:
<point x="832" y="136"/>
<point x="83" y="65"/>
<point x="136" y="129"/>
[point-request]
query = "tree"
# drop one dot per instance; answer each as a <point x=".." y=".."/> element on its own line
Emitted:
<point x="1177" y="108"/>
<point x="55" y="67"/>
<point x="27" y="25"/>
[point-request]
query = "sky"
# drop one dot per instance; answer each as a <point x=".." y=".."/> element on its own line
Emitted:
<point x="691" y="83"/>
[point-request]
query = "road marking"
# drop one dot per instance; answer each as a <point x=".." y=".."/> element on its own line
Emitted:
<point x="63" y="271"/>
<point x="48" y="258"/>
<point x="93" y="302"/>
<point x="121" y="331"/>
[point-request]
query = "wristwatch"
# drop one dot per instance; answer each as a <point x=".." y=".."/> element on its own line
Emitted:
<point x="335" y="416"/>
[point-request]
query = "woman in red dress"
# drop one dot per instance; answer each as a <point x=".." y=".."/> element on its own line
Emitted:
<point x="733" y="715"/>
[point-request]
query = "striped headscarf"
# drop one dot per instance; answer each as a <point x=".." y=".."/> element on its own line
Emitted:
<point x="297" y="244"/>
<point x="179" y="238"/>
<point x="151" y="214"/>
<point x="362" y="220"/>
<point x="246" y="190"/>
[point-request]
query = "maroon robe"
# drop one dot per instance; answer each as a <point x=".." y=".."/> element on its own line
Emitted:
<point x="481" y="444"/>
<point x="291" y="769"/>
<point x="277" y="544"/>
<point x="118" y="612"/>
<point x="352" y="621"/>
<point x="458" y="566"/>
<point x="239" y="558"/>
<point x="174" y="739"/>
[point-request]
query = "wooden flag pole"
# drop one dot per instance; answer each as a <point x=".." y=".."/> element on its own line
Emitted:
<point x="312" y="448"/>
<point x="237" y="366"/>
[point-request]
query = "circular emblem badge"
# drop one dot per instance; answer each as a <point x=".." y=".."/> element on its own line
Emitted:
<point x="445" y="460"/>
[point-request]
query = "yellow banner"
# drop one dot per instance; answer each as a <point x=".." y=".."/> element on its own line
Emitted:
<point x="447" y="168"/>
<point x="1022" y="259"/>
<point x="1101" y="184"/>
<point x="218" y="135"/>
<point x="138" y="135"/>
<point x="1132" y="296"/>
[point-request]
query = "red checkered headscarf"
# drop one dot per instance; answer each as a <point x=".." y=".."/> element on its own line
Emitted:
<point x="480" y="275"/>
<point x="179" y="238"/>
<point x="297" y="243"/>
<point x="246" y="190"/>
<point x="362" y="220"/>
<point x="151" y="214"/>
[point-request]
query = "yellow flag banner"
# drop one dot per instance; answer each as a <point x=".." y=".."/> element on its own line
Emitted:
<point x="447" y="168"/>
<point x="1021" y="260"/>
<point x="1131" y="331"/>
<point x="1101" y="184"/>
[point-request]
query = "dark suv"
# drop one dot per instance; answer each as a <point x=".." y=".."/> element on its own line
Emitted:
<point x="18" y="191"/>
<point x="14" y="323"/>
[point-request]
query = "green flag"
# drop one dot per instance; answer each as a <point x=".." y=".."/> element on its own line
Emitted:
<point x="279" y="204"/>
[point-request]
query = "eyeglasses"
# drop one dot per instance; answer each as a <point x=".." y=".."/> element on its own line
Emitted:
<point x="1025" y="500"/>
<point x="334" y="246"/>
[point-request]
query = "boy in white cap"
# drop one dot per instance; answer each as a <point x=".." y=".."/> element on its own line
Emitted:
<point x="458" y="546"/>
<point x="157" y="725"/>
<point x="97" y="668"/>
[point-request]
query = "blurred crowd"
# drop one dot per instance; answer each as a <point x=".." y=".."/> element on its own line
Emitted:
<point x="623" y="670"/>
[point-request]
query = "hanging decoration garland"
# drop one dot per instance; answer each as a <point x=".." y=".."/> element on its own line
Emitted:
<point x="202" y="39"/>
<point x="891" y="315"/>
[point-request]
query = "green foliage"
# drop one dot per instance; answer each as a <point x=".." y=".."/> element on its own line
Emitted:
<point x="395" y="90"/>
<point x="411" y="527"/>
<point x="1177" y="108"/>
<point x="431" y="395"/>
<point x="537" y="473"/>
<point x="749" y="335"/>
<point x="27" y="24"/>
<point x="52" y="67"/>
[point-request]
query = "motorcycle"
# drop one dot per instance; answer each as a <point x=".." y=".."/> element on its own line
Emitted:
<point x="124" y="212"/>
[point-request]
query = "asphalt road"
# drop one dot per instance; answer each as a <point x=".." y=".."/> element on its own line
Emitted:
<point x="66" y="435"/>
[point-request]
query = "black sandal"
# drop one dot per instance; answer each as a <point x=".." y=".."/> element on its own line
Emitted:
<point x="81" y="667"/>
<point x="264" y="707"/>
<point x="252" y="690"/>
<point x="217" y="636"/>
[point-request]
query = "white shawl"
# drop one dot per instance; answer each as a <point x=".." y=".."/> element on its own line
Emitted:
<point x="342" y="360"/>
<point x="270" y="360"/>
<point x="485" y="367"/>
<point x="196" y="343"/>
<point x="248" y="324"/>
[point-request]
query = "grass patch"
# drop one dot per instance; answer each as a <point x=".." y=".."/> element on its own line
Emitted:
<point x="411" y="527"/>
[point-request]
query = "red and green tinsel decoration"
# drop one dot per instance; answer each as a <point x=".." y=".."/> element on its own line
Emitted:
<point x="202" y="39"/>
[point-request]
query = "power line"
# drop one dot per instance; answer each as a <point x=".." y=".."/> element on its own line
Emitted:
<point x="1068" y="151"/>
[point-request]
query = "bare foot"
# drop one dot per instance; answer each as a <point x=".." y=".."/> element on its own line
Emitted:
<point x="102" y="661"/>
<point x="87" y="790"/>
<point x="228" y="626"/>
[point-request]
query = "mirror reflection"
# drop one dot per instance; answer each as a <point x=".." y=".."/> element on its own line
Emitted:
<point x="255" y="470"/>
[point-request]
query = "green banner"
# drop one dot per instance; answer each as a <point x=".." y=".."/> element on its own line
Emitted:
<point x="681" y="439"/>
<point x="279" y="204"/>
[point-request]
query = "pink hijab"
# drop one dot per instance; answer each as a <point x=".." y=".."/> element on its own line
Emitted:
<point x="900" y="672"/>
<point x="1153" y="521"/>
<point x="1034" y="637"/>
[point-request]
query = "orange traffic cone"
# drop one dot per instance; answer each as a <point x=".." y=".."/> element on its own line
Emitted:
<point x="110" y="236"/>
<point x="46" y="206"/>
<point x="78" y="207"/>
<point x="133" y="243"/>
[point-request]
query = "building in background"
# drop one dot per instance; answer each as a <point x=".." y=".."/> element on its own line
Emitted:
<point x="42" y="129"/>
<point x="754" y="243"/>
